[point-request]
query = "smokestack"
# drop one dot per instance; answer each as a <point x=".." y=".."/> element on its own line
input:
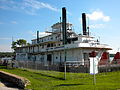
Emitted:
<point x="84" y="24"/>
<point x="37" y="36"/>
<point x="64" y="25"/>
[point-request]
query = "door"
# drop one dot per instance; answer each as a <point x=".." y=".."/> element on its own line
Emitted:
<point x="49" y="59"/>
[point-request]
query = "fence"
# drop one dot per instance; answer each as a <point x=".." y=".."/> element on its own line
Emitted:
<point x="37" y="65"/>
<point x="108" y="66"/>
<point x="71" y="66"/>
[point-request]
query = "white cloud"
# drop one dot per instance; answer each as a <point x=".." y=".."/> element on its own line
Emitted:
<point x="107" y="18"/>
<point x="31" y="6"/>
<point x="3" y="7"/>
<point x="27" y="6"/>
<point x="69" y="13"/>
<point x="32" y="33"/>
<point x="5" y="48"/>
<point x="98" y="15"/>
<point x="96" y="26"/>
<point x="5" y="38"/>
<point x="13" y="22"/>
<point x="7" y="4"/>
<point x="80" y="19"/>
<point x="1" y="23"/>
<point x="45" y="5"/>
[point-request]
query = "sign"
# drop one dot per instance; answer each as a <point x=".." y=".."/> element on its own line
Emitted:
<point x="93" y="65"/>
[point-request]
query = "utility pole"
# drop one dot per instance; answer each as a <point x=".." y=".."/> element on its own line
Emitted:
<point x="12" y="44"/>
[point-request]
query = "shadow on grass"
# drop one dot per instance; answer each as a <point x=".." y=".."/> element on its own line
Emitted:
<point x="3" y="67"/>
<point x="68" y="85"/>
<point x="6" y="67"/>
<point x="50" y="76"/>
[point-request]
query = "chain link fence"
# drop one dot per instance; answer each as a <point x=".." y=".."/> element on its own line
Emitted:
<point x="71" y="66"/>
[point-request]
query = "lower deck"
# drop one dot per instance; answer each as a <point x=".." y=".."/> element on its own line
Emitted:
<point x="58" y="57"/>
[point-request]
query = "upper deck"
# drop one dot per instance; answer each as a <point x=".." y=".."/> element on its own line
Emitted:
<point x="54" y="41"/>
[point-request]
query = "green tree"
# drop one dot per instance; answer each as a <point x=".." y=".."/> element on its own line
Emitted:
<point x="28" y="44"/>
<point x="21" y="42"/>
<point x="14" y="45"/>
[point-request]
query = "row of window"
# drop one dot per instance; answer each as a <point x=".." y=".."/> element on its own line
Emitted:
<point x="37" y="48"/>
<point x="58" y="37"/>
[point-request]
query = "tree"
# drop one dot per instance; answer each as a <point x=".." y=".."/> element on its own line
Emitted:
<point x="28" y="44"/>
<point x="21" y="42"/>
<point x="6" y="54"/>
<point x="14" y="45"/>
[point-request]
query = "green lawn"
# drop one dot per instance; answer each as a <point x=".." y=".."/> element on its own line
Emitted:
<point x="52" y="80"/>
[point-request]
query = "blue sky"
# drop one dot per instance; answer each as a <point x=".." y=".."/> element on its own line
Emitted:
<point x="22" y="18"/>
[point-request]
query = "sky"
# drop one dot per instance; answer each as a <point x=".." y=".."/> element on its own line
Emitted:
<point x="21" y="19"/>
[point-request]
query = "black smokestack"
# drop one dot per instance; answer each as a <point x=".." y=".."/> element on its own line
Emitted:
<point x="84" y="24"/>
<point x="64" y="25"/>
<point x="37" y="36"/>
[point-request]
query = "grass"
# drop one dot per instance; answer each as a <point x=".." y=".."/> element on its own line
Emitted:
<point x="52" y="80"/>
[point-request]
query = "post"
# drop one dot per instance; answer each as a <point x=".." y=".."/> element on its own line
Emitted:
<point x="93" y="55"/>
<point x="65" y="63"/>
<point x="94" y="80"/>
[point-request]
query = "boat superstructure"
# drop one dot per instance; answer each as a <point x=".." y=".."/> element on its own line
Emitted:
<point x="49" y="49"/>
<point x="78" y="47"/>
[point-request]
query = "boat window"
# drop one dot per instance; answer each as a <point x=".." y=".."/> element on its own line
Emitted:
<point x="42" y="46"/>
<point x="51" y="38"/>
<point x="85" y="41"/>
<point x="56" y="37"/>
<point x="56" y="57"/>
<point x="42" y="58"/>
<point x="48" y="45"/>
<point x="51" y="44"/>
<point x="54" y="44"/>
<point x="44" y="39"/>
<point x="86" y="56"/>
